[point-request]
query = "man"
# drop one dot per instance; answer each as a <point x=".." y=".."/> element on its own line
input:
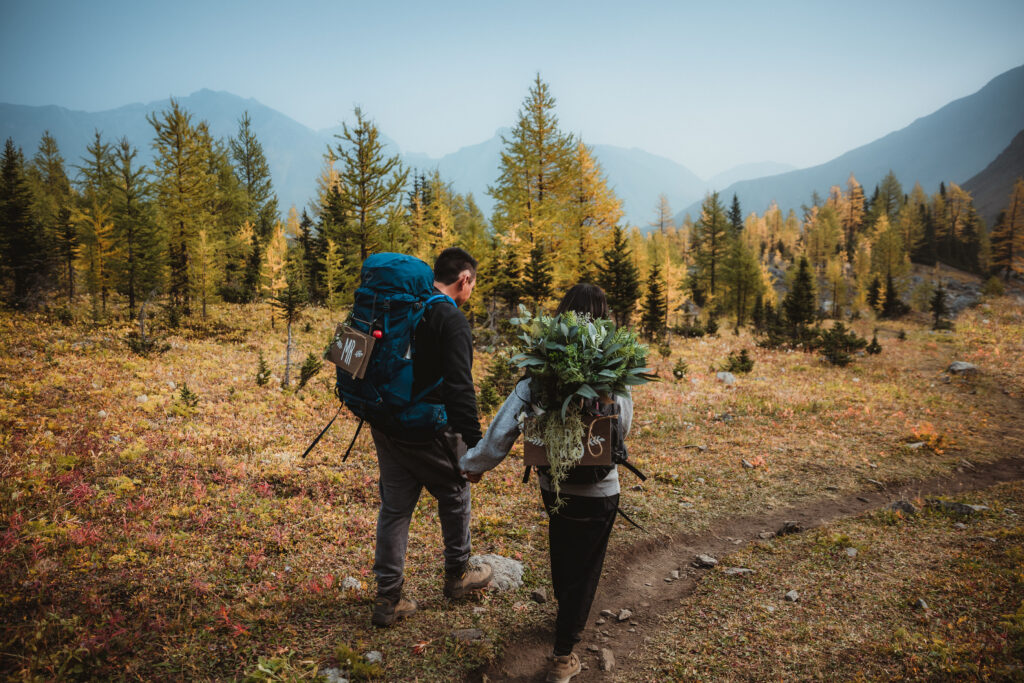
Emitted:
<point x="409" y="460"/>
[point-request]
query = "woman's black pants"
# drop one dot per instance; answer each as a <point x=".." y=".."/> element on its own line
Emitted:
<point x="578" y="538"/>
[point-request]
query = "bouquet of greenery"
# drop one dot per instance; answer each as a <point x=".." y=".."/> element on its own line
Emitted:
<point x="569" y="358"/>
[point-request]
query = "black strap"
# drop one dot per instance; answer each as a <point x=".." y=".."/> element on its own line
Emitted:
<point x="626" y="517"/>
<point x="324" y="431"/>
<point x="354" y="437"/>
<point x="526" y="474"/>
<point x="640" y="475"/>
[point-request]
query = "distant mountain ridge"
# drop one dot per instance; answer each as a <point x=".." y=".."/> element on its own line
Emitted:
<point x="992" y="187"/>
<point x="952" y="144"/>
<point x="295" y="152"/>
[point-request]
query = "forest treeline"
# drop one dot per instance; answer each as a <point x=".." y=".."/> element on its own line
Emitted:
<point x="202" y="224"/>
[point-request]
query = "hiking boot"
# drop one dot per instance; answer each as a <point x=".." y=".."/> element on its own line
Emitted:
<point x="459" y="584"/>
<point x="563" y="668"/>
<point x="387" y="610"/>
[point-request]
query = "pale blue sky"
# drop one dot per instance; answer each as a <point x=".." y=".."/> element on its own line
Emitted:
<point x="710" y="85"/>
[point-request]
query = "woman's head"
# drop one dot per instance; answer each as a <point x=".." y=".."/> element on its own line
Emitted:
<point x="585" y="298"/>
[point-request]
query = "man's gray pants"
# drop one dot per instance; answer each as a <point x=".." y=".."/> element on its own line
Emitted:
<point x="405" y="468"/>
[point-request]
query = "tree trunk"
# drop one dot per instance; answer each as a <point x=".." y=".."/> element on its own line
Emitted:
<point x="287" y="355"/>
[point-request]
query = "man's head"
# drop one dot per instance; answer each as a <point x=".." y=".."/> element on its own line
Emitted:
<point x="455" y="274"/>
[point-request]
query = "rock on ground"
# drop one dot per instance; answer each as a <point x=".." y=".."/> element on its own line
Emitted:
<point x="539" y="595"/>
<point x="737" y="571"/>
<point x="468" y="635"/>
<point x="959" y="367"/>
<point x="704" y="561"/>
<point x="606" y="659"/>
<point x="957" y="508"/>
<point x="904" y="506"/>
<point x="508" y="573"/>
<point x="624" y="614"/>
<point x="792" y="596"/>
<point x="726" y="377"/>
<point x="373" y="657"/>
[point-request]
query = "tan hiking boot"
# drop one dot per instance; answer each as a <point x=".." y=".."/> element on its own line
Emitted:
<point x="564" y="668"/>
<point x="387" y="610"/>
<point x="458" y="585"/>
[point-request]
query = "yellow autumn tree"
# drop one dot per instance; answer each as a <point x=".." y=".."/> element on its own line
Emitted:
<point x="273" y="275"/>
<point x="1008" y="235"/>
<point x="97" y="250"/>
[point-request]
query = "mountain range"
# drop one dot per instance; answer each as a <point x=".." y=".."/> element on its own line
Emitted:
<point x="954" y="143"/>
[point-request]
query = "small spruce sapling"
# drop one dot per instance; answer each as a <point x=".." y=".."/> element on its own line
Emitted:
<point x="740" y="363"/>
<point x="262" y="371"/>
<point x="310" y="367"/>
<point x="188" y="398"/>
<point x="680" y="369"/>
<point x="838" y="343"/>
<point x="874" y="348"/>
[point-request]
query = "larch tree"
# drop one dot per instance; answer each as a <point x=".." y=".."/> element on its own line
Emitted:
<point x="852" y="215"/>
<point x="663" y="221"/>
<point x="592" y="211"/>
<point x="1008" y="235"/>
<point x="184" y="189"/>
<point x="52" y="203"/>
<point x="139" y="265"/>
<point x="533" y="179"/>
<point x="742" y="280"/>
<point x="369" y="183"/>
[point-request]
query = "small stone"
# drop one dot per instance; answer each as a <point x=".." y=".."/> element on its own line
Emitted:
<point x="856" y="380"/>
<point x="637" y="487"/>
<point x="632" y="630"/>
<point x="648" y="583"/>
<point x="737" y="571"/>
<point x="668" y="579"/>
<point x="967" y="464"/>
<point x="957" y="508"/>
<point x="600" y="622"/>
<point x="607" y="613"/>
<point x="624" y="614"/>
<point x="792" y="596"/>
<point x="727" y="378"/>
<point x="468" y="635"/>
<point x="851" y="552"/>
<point x="863" y="499"/>
<point x="872" y="465"/>
<point x="765" y="535"/>
<point x="831" y="488"/>
<point x="876" y="483"/>
<point x="769" y="608"/>
<point x="904" y="506"/>
<point x="96" y="386"/>
<point x="748" y="465"/>
<point x="674" y="574"/>
<point x="115" y="439"/>
<point x="351" y="583"/>
<point x="593" y="648"/>
<point x="959" y="525"/>
<point x="373" y="657"/>
<point x="333" y="675"/>
<point x="704" y="561"/>
<point x="916" y="445"/>
<point x="606" y="659"/>
<point x="478" y="610"/>
<point x="539" y="595"/>
<point x="141" y="398"/>
<point x="790" y="527"/>
<point x="700" y="480"/>
<point x="102" y="414"/>
<point x="171" y="385"/>
<point x="920" y="604"/>
<point x="959" y="367"/>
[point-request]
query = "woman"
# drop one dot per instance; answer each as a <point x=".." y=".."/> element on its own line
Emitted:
<point x="579" y="529"/>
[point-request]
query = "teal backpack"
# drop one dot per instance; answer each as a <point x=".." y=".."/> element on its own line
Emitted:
<point x="394" y="294"/>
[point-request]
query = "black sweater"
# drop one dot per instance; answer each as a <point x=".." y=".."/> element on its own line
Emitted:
<point x="444" y="348"/>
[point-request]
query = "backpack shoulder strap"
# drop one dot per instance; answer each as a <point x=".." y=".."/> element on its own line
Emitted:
<point x="431" y="300"/>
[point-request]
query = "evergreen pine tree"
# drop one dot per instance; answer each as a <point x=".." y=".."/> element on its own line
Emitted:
<point x="52" y="204"/>
<point x="711" y="244"/>
<point x="253" y="172"/>
<point x="620" y="278"/>
<point x="799" y="303"/>
<point x="655" y="313"/>
<point x="508" y="285"/>
<point x="892" y="306"/>
<point x="1008" y="235"/>
<point x="139" y="265"/>
<point x="22" y="247"/>
<point x="735" y="217"/>
<point x="289" y="303"/>
<point x="874" y="297"/>
<point x="537" y="278"/>
<point x="939" y="309"/>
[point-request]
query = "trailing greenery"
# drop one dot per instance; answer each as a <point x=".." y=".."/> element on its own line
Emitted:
<point x="571" y="358"/>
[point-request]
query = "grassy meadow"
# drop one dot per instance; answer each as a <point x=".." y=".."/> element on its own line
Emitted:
<point x="145" y="535"/>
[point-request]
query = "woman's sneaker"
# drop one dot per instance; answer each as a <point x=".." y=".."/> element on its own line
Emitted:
<point x="387" y="610"/>
<point x="459" y="584"/>
<point x="563" y="668"/>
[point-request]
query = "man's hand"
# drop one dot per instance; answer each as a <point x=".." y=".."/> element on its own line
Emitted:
<point x="473" y="477"/>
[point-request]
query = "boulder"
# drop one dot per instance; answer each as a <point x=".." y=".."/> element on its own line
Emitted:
<point x="704" y="561"/>
<point x="726" y="378"/>
<point x="959" y="367"/>
<point x="508" y="573"/>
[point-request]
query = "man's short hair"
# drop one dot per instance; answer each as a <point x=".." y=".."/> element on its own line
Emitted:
<point x="451" y="262"/>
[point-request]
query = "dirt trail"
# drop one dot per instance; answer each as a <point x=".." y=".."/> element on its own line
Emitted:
<point x="637" y="581"/>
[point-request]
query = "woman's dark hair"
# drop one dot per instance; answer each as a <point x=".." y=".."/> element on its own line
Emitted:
<point x="585" y="298"/>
